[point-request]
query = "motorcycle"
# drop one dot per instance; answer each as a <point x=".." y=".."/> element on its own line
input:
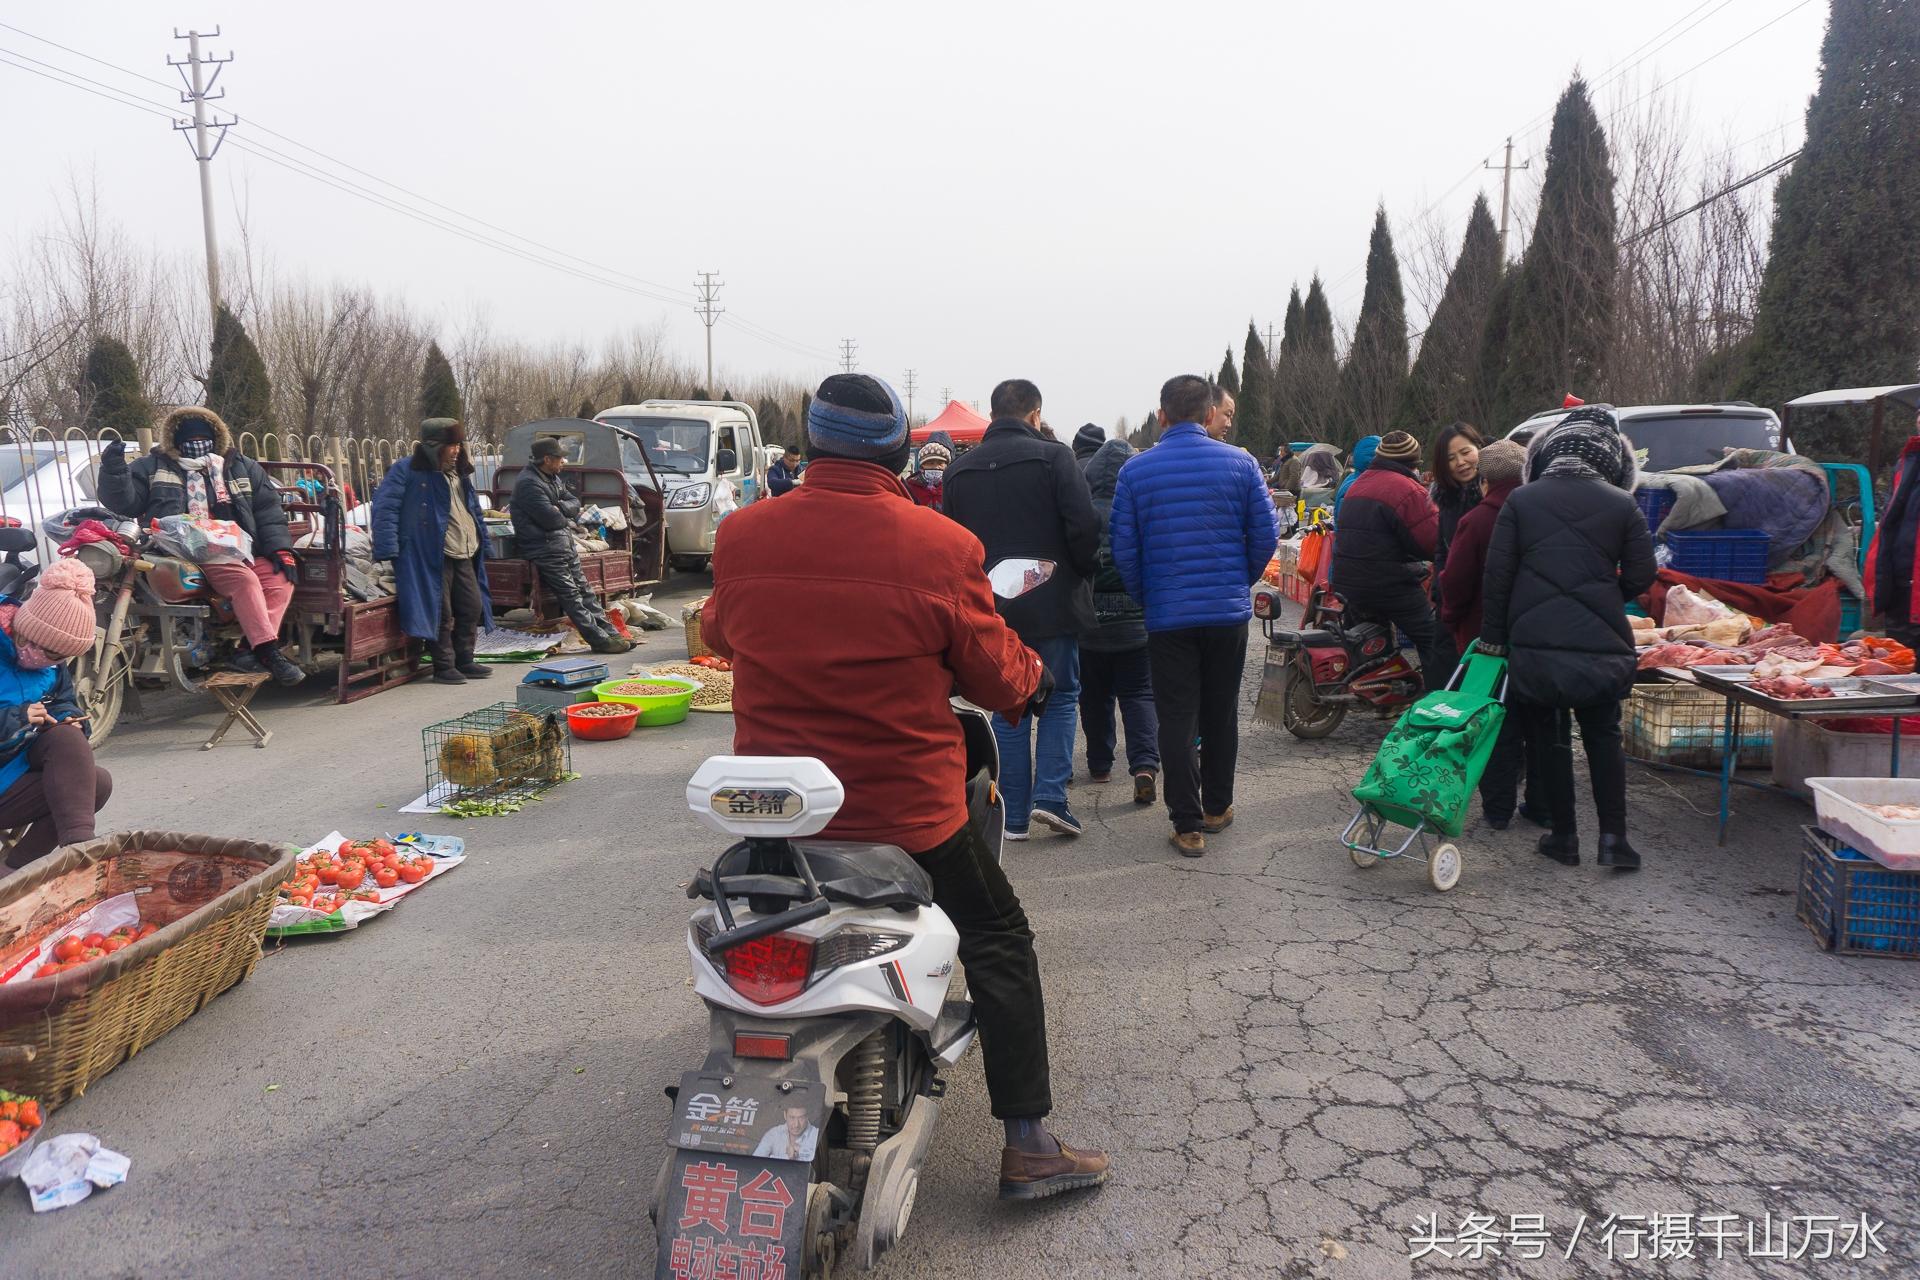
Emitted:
<point x="1335" y="661"/>
<point x="156" y="616"/>
<point x="827" y="971"/>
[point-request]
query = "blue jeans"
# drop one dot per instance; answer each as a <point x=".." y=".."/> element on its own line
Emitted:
<point x="1127" y="678"/>
<point x="1031" y="775"/>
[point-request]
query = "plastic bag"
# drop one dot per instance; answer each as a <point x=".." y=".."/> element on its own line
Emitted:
<point x="1686" y="607"/>
<point x="1014" y="577"/>
<point x="203" y="540"/>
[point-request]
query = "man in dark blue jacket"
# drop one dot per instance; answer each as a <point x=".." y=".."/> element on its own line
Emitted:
<point x="1193" y="528"/>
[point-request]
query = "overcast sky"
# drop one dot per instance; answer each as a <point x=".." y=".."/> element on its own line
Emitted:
<point x="1093" y="197"/>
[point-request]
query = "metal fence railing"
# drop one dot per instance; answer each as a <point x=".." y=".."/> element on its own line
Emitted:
<point x="44" y="473"/>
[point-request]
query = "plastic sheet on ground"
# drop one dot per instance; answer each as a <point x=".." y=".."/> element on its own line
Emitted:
<point x="503" y="644"/>
<point x="289" y="921"/>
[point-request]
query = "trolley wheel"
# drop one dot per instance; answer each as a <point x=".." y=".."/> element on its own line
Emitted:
<point x="1361" y="858"/>
<point x="1443" y="869"/>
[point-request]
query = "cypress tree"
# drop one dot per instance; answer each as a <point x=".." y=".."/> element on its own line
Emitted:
<point x="1493" y="358"/>
<point x="1287" y="415"/>
<point x="629" y="394"/>
<point x="237" y="386"/>
<point x="439" y="391"/>
<point x="1441" y="388"/>
<point x="1563" y="306"/>
<point x="1227" y="377"/>
<point x="1316" y="371"/>
<point x="1253" y="415"/>
<point x="1840" y="299"/>
<point x="1377" y="362"/>
<point x="116" y="400"/>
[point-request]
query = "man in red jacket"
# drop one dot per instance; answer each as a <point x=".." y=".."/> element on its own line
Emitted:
<point x="851" y="615"/>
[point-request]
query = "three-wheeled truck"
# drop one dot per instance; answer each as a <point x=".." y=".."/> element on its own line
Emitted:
<point x="607" y="467"/>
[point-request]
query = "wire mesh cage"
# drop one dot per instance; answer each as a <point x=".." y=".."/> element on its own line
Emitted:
<point x="501" y="752"/>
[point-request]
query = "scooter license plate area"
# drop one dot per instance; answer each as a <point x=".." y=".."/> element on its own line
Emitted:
<point x="733" y="1216"/>
<point x="736" y="1202"/>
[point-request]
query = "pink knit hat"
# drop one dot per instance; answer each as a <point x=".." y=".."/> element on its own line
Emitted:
<point x="58" y="616"/>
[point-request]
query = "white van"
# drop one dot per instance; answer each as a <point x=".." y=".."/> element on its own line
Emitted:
<point x="710" y="456"/>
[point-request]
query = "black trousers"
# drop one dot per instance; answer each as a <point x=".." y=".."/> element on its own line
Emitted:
<point x="459" y="614"/>
<point x="1500" y="784"/>
<point x="1124" y="677"/>
<point x="1196" y="690"/>
<point x="1551" y="732"/>
<point x="1003" y="973"/>
<point x="564" y="579"/>
<point x="1409" y="609"/>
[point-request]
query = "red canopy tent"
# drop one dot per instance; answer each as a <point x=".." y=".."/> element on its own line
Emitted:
<point x="963" y="424"/>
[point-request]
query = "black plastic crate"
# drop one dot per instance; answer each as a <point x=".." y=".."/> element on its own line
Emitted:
<point x="1855" y="906"/>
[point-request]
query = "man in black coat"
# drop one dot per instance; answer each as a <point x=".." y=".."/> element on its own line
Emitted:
<point x="1569" y="549"/>
<point x="1114" y="667"/>
<point x="544" y="511"/>
<point x="197" y="469"/>
<point x="1023" y="496"/>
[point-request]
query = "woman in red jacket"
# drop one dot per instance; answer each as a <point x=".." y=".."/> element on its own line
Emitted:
<point x="1461" y="597"/>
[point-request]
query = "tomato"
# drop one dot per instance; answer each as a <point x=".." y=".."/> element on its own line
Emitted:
<point x="30" y="1115"/>
<point x="386" y="877"/>
<point x="346" y="847"/>
<point x="113" y="944"/>
<point x="11" y="1135"/>
<point x="381" y="848"/>
<point x="92" y="953"/>
<point x="411" y="873"/>
<point x="92" y="940"/>
<point x="149" y="929"/>
<point x="68" y="948"/>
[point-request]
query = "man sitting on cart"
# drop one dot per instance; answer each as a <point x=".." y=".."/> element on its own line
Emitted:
<point x="544" y="513"/>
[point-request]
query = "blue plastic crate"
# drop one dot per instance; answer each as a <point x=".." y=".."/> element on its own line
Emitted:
<point x="1724" y="555"/>
<point x="1855" y="906"/>
<point x="1654" y="505"/>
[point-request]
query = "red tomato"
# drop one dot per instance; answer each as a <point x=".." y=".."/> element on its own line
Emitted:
<point x="93" y="953"/>
<point x="92" y="940"/>
<point x="382" y="848"/>
<point x="386" y="877"/>
<point x="50" y="968"/>
<point x="68" y="948"/>
<point x="147" y="930"/>
<point x="112" y="945"/>
<point x="411" y="873"/>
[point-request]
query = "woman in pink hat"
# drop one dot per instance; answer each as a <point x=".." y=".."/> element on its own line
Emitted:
<point x="49" y="783"/>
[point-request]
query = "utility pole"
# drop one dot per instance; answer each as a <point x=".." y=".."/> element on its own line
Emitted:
<point x="709" y="289"/>
<point x="1273" y="352"/>
<point x="946" y="396"/>
<point x="199" y="91"/>
<point x="1506" y="192"/>
<point x="847" y="346"/>
<point x="911" y="386"/>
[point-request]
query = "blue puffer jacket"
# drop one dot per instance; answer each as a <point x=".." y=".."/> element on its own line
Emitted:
<point x="1193" y="527"/>
<point x="1363" y="450"/>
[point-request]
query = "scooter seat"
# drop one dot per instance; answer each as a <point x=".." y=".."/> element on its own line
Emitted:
<point x="1309" y="639"/>
<point x="868" y="875"/>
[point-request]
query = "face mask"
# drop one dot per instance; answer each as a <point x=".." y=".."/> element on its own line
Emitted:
<point x="197" y="447"/>
<point x="934" y="478"/>
<point x="31" y="657"/>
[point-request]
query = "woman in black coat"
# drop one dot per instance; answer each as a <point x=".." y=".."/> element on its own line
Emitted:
<point x="1569" y="550"/>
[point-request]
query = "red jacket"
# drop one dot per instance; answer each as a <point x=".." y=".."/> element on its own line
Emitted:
<point x="924" y="494"/>
<point x="851" y="615"/>
<point x="1461" y="593"/>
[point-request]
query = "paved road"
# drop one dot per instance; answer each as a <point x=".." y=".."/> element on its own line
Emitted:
<point x="1290" y="1058"/>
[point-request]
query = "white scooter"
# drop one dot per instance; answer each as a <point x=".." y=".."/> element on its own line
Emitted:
<point x="826" y="969"/>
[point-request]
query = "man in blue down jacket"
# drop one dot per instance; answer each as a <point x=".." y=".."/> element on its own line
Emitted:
<point x="1193" y="528"/>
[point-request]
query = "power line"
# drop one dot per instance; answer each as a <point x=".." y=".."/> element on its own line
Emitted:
<point x="757" y="332"/>
<point x="1702" y="203"/>
<point x="1712" y="57"/>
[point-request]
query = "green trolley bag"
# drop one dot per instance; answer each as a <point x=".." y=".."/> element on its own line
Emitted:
<point x="1426" y="770"/>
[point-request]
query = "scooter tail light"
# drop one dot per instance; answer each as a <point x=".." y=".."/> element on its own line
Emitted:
<point x="756" y="1045"/>
<point x="770" y="970"/>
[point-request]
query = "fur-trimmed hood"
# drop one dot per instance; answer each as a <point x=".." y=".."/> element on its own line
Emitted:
<point x="222" y="437"/>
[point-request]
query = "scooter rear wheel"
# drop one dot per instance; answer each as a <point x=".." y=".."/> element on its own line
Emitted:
<point x="1304" y="715"/>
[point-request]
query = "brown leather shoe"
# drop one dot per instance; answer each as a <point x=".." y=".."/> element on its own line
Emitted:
<point x="1214" y="823"/>
<point x="1191" y="844"/>
<point x="1024" y="1176"/>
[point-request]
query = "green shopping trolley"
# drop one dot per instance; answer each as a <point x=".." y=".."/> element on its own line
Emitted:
<point x="1424" y="775"/>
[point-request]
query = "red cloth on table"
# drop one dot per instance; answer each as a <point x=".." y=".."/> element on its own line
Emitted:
<point x="1812" y="612"/>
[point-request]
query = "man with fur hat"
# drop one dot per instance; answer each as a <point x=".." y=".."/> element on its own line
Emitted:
<point x="544" y="514"/>
<point x="427" y="521"/>
<point x="197" y="470"/>
<point x="49" y="783"/>
<point x="871" y="700"/>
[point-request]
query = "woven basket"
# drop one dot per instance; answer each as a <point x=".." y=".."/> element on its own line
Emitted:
<point x="210" y="895"/>
<point x="690" y="620"/>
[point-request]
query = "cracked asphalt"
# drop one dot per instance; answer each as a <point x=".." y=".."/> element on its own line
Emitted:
<point x="1292" y="1060"/>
